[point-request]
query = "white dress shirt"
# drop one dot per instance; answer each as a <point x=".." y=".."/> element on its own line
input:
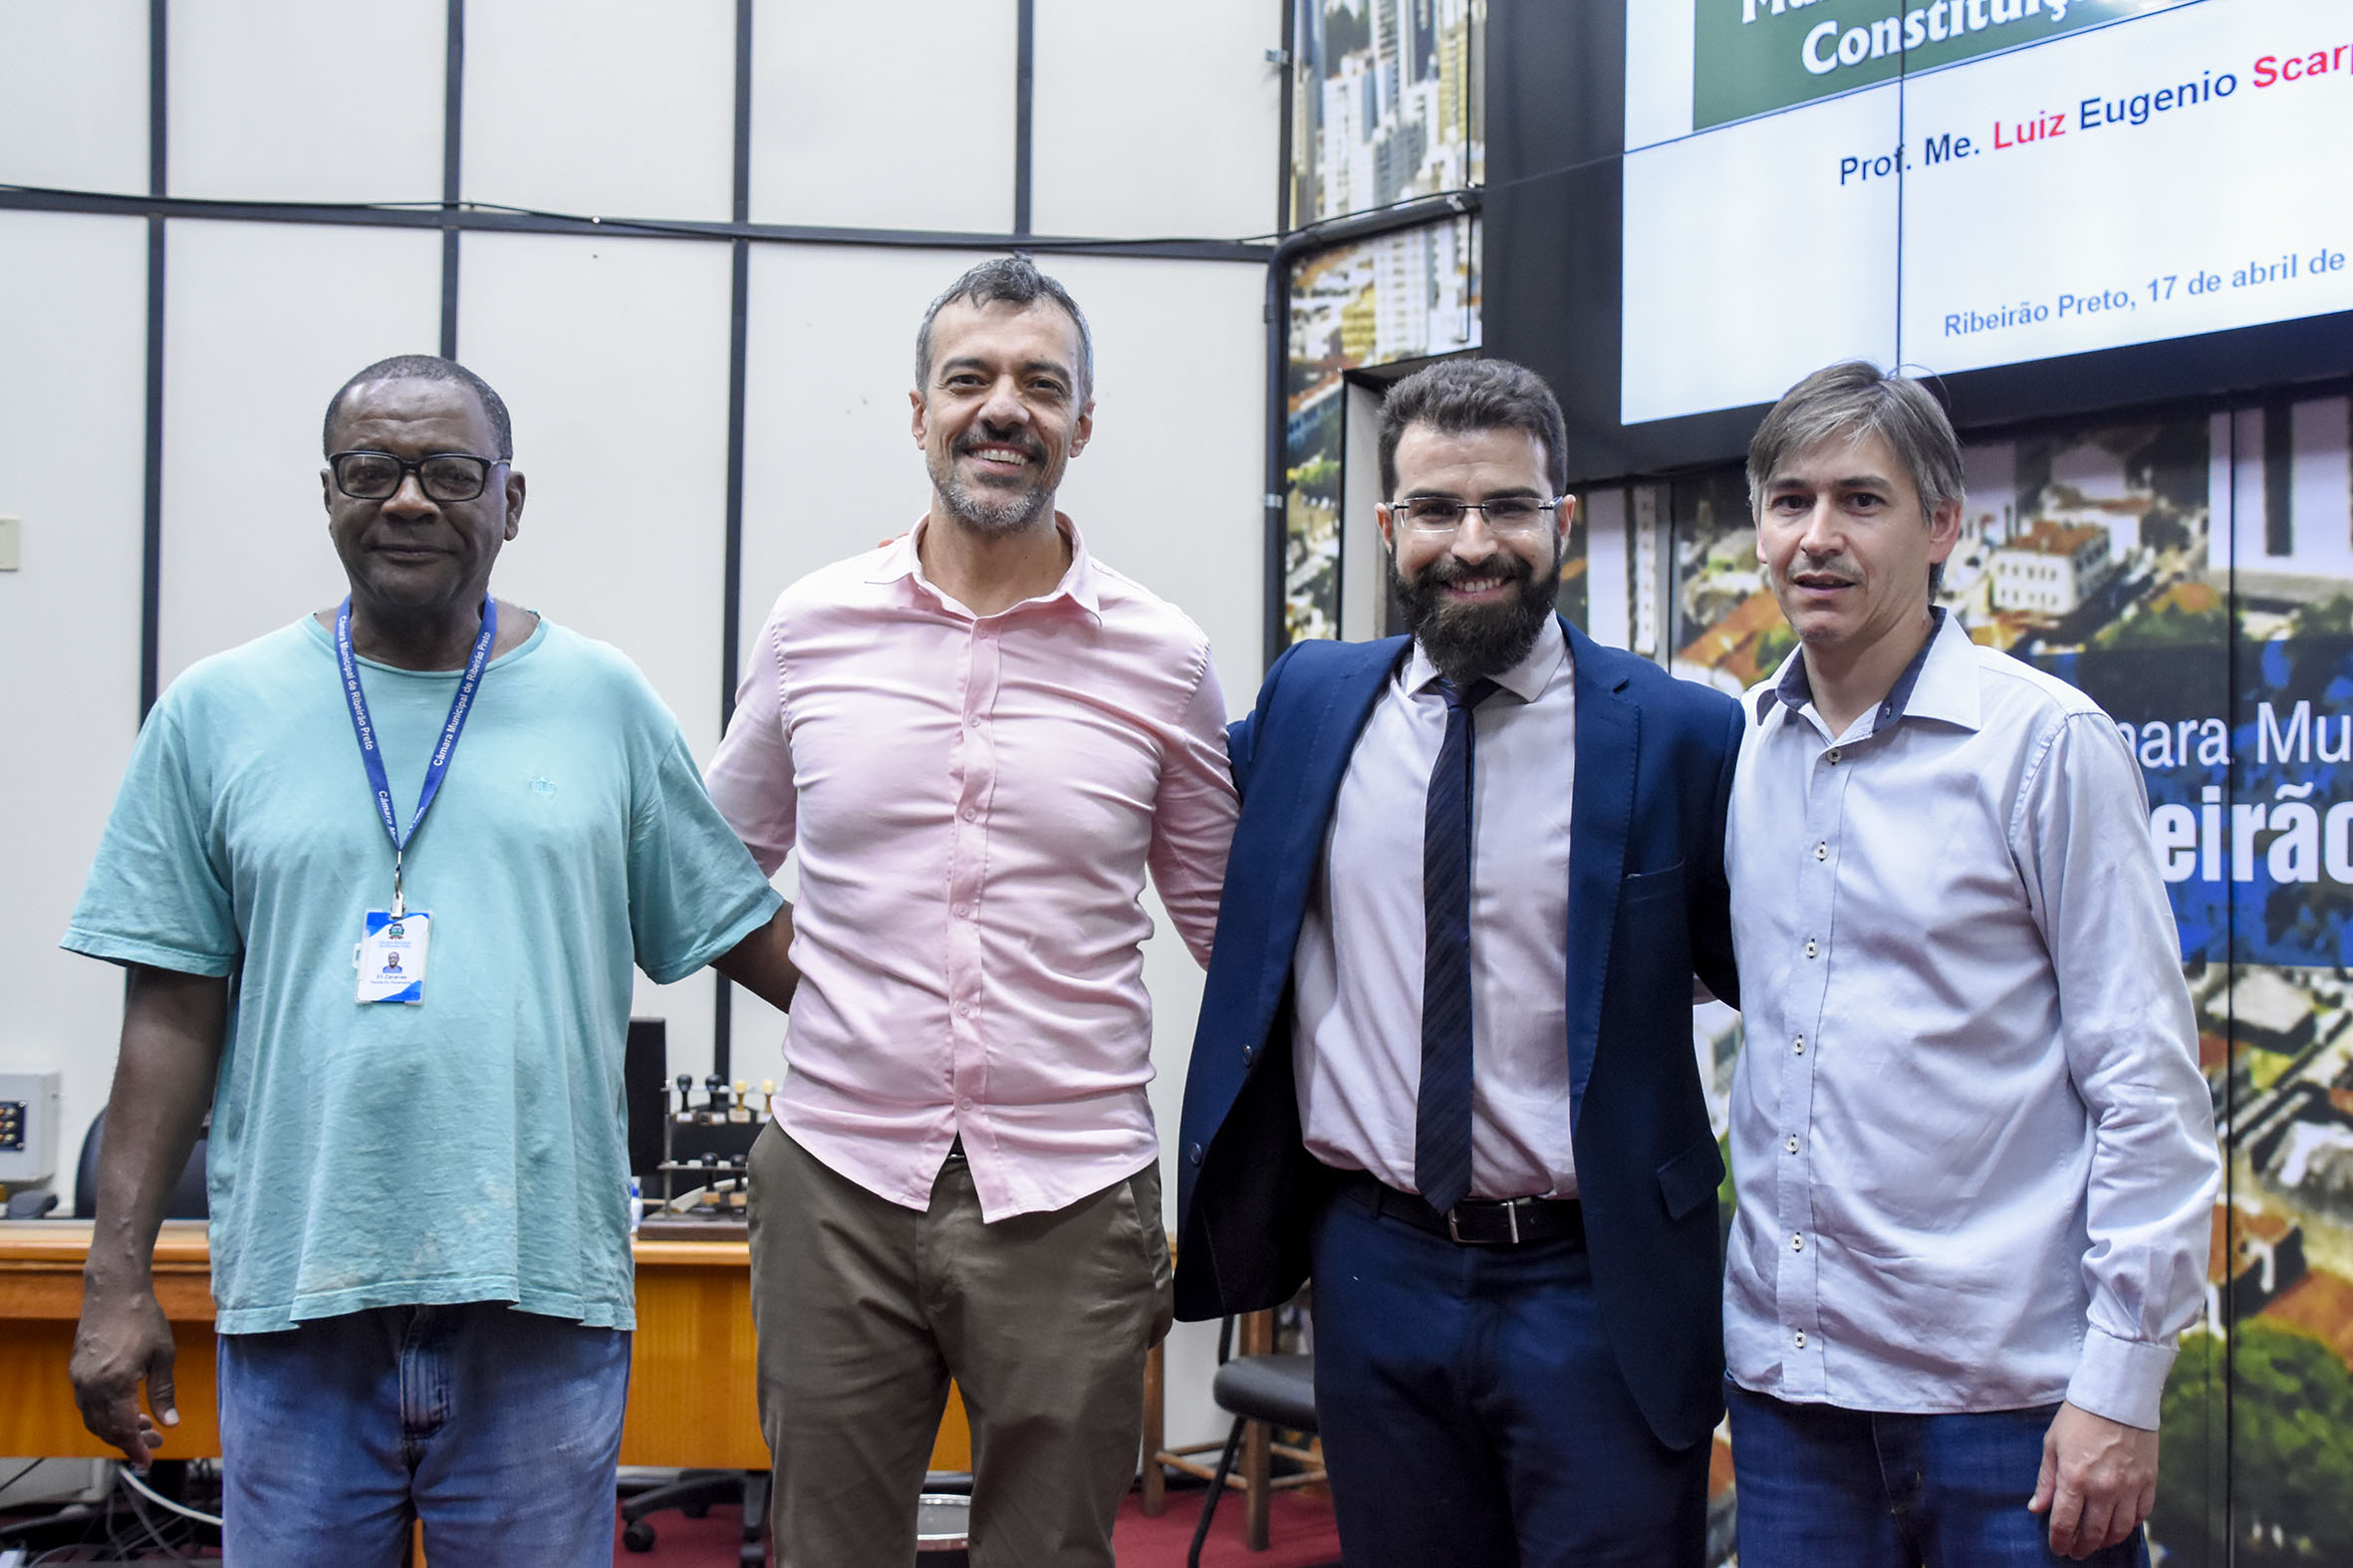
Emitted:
<point x="1357" y="971"/>
<point x="1975" y="1154"/>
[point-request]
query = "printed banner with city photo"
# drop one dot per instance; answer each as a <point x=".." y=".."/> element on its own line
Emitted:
<point x="1387" y="102"/>
<point x="1387" y="106"/>
<point x="1406" y="296"/>
<point x="2193" y="574"/>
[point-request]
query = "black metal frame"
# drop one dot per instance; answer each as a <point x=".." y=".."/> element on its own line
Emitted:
<point x="452" y="128"/>
<point x="483" y="466"/>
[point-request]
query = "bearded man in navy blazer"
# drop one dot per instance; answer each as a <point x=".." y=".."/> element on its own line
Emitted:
<point x="1444" y="1062"/>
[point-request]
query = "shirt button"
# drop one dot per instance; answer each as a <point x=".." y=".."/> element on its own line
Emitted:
<point x="1249" y="1054"/>
<point x="1798" y="1045"/>
<point x="964" y="911"/>
<point x="971" y="813"/>
<point x="1821" y="851"/>
<point x="1811" y="948"/>
<point x="1833" y="754"/>
<point x="965" y="1103"/>
<point x="1796" y="1244"/>
<point x="1193" y="1154"/>
<point x="965" y="1010"/>
<point x="1793" y="1143"/>
<point x="1800" y="1339"/>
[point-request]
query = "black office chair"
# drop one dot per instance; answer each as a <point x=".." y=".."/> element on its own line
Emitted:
<point x="188" y="1200"/>
<point x="693" y="1493"/>
<point x="1278" y="1389"/>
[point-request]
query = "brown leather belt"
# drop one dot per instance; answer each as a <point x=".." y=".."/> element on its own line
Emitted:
<point x="1476" y="1221"/>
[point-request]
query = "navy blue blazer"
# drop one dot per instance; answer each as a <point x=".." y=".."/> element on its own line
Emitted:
<point x="1648" y="908"/>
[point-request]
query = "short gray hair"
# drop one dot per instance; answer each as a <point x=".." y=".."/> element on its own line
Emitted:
<point x="1009" y="280"/>
<point x="1847" y="402"/>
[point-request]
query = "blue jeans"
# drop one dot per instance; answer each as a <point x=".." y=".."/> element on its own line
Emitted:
<point x="500" y="1429"/>
<point x="1820" y="1486"/>
<point x="1473" y="1415"/>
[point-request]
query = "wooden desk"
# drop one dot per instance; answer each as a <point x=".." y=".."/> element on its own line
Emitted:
<point x="691" y="1402"/>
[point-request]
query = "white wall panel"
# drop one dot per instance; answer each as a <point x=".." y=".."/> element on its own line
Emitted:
<point x="74" y="94"/>
<point x="831" y="466"/>
<point x="612" y="356"/>
<point x="71" y="441"/>
<point x="606" y="108"/>
<point x="897" y="114"/>
<point x="1170" y="489"/>
<point x="262" y="323"/>
<point x="293" y="100"/>
<point x="1363" y="574"/>
<point x="1605" y="617"/>
<point x="1156" y="120"/>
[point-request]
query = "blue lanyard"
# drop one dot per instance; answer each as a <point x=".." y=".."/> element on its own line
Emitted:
<point x="438" y="765"/>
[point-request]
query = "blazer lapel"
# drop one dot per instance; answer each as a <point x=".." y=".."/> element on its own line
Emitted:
<point x="1601" y="806"/>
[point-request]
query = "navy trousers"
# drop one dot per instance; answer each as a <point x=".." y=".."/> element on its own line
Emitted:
<point x="1472" y="1414"/>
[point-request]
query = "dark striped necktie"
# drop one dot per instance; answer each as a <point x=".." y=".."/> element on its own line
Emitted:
<point x="1442" y="1130"/>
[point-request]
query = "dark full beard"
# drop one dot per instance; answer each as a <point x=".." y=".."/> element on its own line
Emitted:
<point x="1468" y="642"/>
<point x="988" y="513"/>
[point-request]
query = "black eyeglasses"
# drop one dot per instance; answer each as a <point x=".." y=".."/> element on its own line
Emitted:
<point x="1443" y="514"/>
<point x="443" y="476"/>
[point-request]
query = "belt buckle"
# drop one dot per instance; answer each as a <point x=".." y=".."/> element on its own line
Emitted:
<point x="1510" y="1207"/>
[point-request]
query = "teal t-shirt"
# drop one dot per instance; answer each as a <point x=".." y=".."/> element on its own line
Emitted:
<point x="471" y="1146"/>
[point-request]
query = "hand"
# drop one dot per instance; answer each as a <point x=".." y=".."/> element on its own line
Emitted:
<point x="2098" y="1480"/>
<point x="122" y="1338"/>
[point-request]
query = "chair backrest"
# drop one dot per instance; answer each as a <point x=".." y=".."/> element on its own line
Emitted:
<point x="188" y="1200"/>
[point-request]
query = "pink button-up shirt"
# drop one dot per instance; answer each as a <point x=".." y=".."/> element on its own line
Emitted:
<point x="974" y="800"/>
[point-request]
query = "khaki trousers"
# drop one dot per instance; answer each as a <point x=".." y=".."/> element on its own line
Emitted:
<point x="865" y="1310"/>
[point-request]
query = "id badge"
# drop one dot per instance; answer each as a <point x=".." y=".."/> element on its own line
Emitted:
<point x="391" y="956"/>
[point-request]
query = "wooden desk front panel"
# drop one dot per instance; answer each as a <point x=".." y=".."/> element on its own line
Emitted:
<point x="691" y="1398"/>
<point x="40" y="1300"/>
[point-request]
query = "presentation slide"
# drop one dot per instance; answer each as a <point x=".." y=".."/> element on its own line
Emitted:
<point x="1970" y="182"/>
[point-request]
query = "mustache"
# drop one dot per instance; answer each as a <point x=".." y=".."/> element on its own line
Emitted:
<point x="1837" y="566"/>
<point x="1452" y="569"/>
<point x="1026" y="445"/>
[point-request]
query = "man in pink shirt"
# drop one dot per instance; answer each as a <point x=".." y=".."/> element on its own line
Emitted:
<point x="977" y="738"/>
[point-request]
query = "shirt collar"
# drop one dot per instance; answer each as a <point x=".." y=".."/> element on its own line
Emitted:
<point x="1938" y="683"/>
<point x="1525" y="681"/>
<point x="902" y="559"/>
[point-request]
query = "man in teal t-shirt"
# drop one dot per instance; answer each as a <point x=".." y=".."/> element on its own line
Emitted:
<point x="408" y="1021"/>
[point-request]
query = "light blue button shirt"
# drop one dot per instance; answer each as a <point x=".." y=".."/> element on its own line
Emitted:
<point x="1975" y="1155"/>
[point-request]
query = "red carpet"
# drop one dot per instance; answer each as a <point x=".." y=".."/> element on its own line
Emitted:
<point x="1300" y="1533"/>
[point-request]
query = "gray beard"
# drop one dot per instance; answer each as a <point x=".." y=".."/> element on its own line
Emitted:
<point x="986" y="514"/>
<point x="1474" y="642"/>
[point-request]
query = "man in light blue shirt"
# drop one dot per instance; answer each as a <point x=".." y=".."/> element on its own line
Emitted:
<point x="1975" y="1154"/>
<point x="406" y="1003"/>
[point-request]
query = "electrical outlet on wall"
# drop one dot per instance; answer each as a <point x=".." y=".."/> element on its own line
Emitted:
<point x="28" y="1127"/>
